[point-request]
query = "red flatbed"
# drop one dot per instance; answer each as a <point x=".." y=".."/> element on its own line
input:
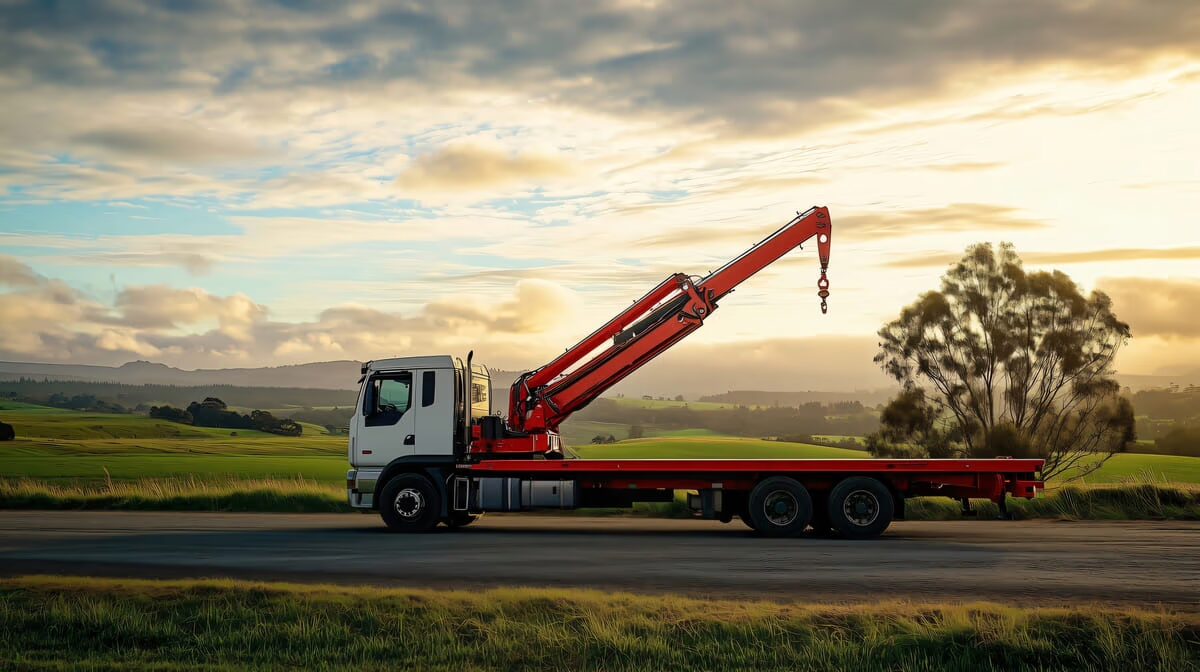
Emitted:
<point x="959" y="478"/>
<point x="774" y="466"/>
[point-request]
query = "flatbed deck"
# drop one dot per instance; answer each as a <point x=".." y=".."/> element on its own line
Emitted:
<point x="753" y="466"/>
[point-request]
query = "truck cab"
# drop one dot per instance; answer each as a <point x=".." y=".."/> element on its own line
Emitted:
<point x="412" y="409"/>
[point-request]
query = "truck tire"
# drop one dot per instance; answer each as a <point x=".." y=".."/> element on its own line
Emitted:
<point x="780" y="507"/>
<point x="860" y="508"/>
<point x="410" y="503"/>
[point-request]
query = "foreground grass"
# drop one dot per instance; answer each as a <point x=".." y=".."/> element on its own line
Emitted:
<point x="267" y="495"/>
<point x="1131" y="501"/>
<point x="60" y="623"/>
<point x="1138" y="501"/>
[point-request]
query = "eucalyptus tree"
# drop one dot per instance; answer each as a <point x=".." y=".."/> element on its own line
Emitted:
<point x="1003" y="361"/>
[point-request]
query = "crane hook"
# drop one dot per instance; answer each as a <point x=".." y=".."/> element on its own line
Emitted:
<point x="823" y="291"/>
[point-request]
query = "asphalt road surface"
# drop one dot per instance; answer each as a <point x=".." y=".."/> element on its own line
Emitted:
<point x="1030" y="562"/>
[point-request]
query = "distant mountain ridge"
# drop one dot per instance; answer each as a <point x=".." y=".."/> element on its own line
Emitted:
<point x="335" y="375"/>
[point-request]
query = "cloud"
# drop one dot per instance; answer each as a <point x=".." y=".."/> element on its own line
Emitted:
<point x="963" y="167"/>
<point x="1155" y="307"/>
<point x="43" y="318"/>
<point x="177" y="142"/>
<point x="16" y="274"/>
<point x="953" y="218"/>
<point x="827" y="363"/>
<point x="193" y="263"/>
<point x="780" y="64"/>
<point x="1082" y="257"/>
<point x="158" y="307"/>
<point x="468" y="168"/>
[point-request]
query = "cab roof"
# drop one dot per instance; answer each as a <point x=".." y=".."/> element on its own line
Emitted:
<point x="427" y="362"/>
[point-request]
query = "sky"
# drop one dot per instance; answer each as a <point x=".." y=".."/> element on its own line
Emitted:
<point x="239" y="183"/>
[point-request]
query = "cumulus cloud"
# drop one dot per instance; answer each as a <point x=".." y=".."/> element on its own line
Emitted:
<point x="160" y="307"/>
<point x="45" y="319"/>
<point x="467" y="168"/>
<point x="16" y="274"/>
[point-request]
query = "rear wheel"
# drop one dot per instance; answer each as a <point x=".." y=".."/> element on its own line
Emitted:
<point x="860" y="508"/>
<point x="410" y="503"/>
<point x="779" y="507"/>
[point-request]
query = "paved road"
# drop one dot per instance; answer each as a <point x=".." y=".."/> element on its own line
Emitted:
<point x="1029" y="562"/>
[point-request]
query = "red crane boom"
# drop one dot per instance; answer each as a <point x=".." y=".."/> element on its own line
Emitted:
<point x="542" y="399"/>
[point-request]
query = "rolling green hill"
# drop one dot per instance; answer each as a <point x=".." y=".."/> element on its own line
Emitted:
<point x="71" y="445"/>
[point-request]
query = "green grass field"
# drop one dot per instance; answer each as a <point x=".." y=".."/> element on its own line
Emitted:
<point x="82" y="623"/>
<point x="57" y="444"/>
<point x="580" y="432"/>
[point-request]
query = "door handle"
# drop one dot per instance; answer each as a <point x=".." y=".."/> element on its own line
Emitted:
<point x="410" y="440"/>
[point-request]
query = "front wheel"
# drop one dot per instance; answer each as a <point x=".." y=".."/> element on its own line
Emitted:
<point x="860" y="508"/>
<point x="410" y="503"/>
<point x="779" y="507"/>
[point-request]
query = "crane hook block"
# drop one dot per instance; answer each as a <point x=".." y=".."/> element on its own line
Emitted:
<point x="823" y="292"/>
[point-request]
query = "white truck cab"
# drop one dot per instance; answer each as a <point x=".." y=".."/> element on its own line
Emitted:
<point x="412" y="409"/>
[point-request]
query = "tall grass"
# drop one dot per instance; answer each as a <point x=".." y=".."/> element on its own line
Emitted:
<point x="1128" y="501"/>
<point x="1125" y="501"/>
<point x="64" y="623"/>
<point x="177" y="494"/>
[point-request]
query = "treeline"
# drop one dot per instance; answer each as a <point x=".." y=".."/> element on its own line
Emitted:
<point x="84" y="402"/>
<point x="1162" y="412"/>
<point x="848" y="418"/>
<point x="212" y="412"/>
<point x="767" y="398"/>
<point x="131" y="396"/>
<point x="1184" y="440"/>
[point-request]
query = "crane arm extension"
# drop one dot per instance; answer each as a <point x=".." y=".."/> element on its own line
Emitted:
<point x="541" y="399"/>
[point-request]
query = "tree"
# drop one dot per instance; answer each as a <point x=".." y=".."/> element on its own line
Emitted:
<point x="1015" y="363"/>
<point x="636" y="431"/>
<point x="171" y="413"/>
<point x="679" y="397"/>
<point x="7" y="433"/>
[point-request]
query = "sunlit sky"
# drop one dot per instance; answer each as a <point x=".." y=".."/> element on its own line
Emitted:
<point x="213" y="184"/>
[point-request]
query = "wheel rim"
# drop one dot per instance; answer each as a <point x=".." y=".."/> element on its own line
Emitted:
<point x="409" y="503"/>
<point x="861" y="507"/>
<point x="781" y="508"/>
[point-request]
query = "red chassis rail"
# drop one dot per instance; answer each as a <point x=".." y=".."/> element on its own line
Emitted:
<point x="957" y="478"/>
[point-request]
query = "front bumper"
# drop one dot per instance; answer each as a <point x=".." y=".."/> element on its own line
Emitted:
<point x="360" y="487"/>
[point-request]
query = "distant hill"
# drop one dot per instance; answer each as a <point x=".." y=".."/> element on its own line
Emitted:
<point x="337" y="375"/>
<point x="767" y="398"/>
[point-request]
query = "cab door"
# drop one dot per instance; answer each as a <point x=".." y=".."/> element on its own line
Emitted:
<point x="387" y="418"/>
